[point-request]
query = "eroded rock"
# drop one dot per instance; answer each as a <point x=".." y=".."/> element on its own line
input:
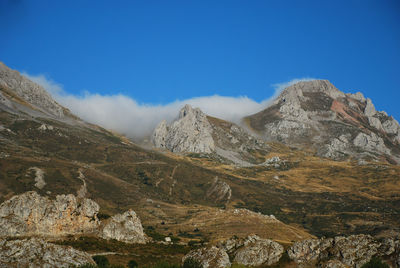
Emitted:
<point x="31" y="214"/>
<point x="210" y="257"/>
<point x="124" y="227"/>
<point x="35" y="252"/>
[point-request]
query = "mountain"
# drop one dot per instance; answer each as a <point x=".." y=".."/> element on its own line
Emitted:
<point x="195" y="132"/>
<point x="56" y="169"/>
<point x="337" y="125"/>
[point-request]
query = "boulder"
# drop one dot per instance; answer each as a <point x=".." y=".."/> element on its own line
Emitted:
<point x="35" y="252"/>
<point x="124" y="227"/>
<point x="210" y="257"/>
<point x="31" y="214"/>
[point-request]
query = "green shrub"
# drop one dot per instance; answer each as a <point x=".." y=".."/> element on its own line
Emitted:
<point x="191" y="263"/>
<point x="101" y="261"/>
<point x="132" y="264"/>
<point x="375" y="263"/>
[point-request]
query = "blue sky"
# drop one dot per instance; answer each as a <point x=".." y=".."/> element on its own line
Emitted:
<point x="156" y="52"/>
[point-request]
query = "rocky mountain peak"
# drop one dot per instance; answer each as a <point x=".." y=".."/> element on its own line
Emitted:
<point x="315" y="113"/>
<point x="191" y="132"/>
<point x="15" y="87"/>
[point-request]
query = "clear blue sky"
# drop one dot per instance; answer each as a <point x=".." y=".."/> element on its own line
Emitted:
<point x="160" y="51"/>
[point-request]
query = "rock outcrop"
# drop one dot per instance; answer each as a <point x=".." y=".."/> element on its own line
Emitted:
<point x="219" y="191"/>
<point x="209" y="257"/>
<point x="190" y="133"/>
<point x="316" y="114"/>
<point x="31" y="214"/>
<point x="353" y="251"/>
<point x="254" y="251"/>
<point x="15" y="85"/>
<point x="124" y="227"/>
<point x="35" y="252"/>
<point x="195" y="132"/>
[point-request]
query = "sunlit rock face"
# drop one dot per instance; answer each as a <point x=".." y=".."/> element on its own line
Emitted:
<point x="31" y="214"/>
<point x="315" y="114"/>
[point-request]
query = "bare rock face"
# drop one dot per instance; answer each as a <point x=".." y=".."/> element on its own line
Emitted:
<point x="309" y="250"/>
<point x="190" y="133"/>
<point x="219" y="191"/>
<point x="35" y="252"/>
<point x="31" y="214"/>
<point x="125" y="228"/>
<point x="315" y="114"/>
<point x="371" y="142"/>
<point x="256" y="251"/>
<point x="29" y="91"/>
<point x="210" y="257"/>
<point x="354" y="251"/>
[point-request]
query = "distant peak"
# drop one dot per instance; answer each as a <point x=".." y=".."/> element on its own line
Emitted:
<point x="313" y="86"/>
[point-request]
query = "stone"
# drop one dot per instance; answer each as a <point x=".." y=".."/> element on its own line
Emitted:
<point x="353" y="251"/>
<point x="29" y="91"/>
<point x="369" y="108"/>
<point x="36" y="252"/>
<point x="371" y="142"/>
<point x="191" y="132"/>
<point x="219" y="191"/>
<point x="39" y="177"/>
<point x="125" y="227"/>
<point x="257" y="251"/>
<point x="31" y="214"/>
<point x="212" y="257"/>
<point x="375" y="122"/>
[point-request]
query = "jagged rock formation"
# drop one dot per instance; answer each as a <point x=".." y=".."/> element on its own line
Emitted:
<point x="353" y="251"/>
<point x="35" y="252"/>
<point x="31" y="214"/>
<point x="253" y="250"/>
<point x="338" y="125"/>
<point x="219" y="191"/>
<point x="16" y="89"/>
<point x="190" y="133"/>
<point x="210" y="257"/>
<point x="124" y="227"/>
<point x="196" y="132"/>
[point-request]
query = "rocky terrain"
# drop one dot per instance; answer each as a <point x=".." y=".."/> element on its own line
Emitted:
<point x="338" y="125"/>
<point x="70" y="183"/>
<point x="35" y="252"/>
<point x="195" y="132"/>
<point x="340" y="251"/>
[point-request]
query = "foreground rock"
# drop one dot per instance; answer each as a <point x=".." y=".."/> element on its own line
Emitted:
<point x="210" y="257"/>
<point x="125" y="228"/>
<point x="31" y="214"/>
<point x="253" y="250"/>
<point x="36" y="252"/>
<point x="354" y="251"/>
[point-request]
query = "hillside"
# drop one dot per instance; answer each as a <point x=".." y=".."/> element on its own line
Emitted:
<point x="194" y="196"/>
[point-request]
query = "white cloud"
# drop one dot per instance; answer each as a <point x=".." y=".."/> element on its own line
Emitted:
<point x="125" y="115"/>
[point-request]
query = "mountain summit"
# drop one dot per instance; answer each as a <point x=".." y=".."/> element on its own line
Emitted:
<point x="338" y="125"/>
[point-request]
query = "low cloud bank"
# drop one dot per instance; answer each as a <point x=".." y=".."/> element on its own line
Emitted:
<point x="125" y="115"/>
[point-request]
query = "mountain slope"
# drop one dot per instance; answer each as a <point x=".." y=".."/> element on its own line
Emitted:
<point x="195" y="132"/>
<point x="336" y="125"/>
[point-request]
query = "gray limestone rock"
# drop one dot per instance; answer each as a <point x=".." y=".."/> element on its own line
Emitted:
<point x="209" y="257"/>
<point x="256" y="251"/>
<point x="31" y="214"/>
<point x="371" y="142"/>
<point x="219" y="191"/>
<point x="124" y="227"/>
<point x="35" y="252"/>
<point x="29" y="91"/>
<point x="191" y="132"/>
<point x="354" y="251"/>
<point x="369" y="108"/>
